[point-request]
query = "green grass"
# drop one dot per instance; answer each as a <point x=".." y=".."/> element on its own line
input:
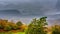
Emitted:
<point x="19" y="33"/>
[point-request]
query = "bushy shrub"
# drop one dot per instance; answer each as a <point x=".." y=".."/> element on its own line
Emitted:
<point x="15" y="27"/>
<point x="7" y="28"/>
<point x="1" y="27"/>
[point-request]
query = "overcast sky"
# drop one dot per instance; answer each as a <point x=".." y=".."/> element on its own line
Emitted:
<point x="25" y="10"/>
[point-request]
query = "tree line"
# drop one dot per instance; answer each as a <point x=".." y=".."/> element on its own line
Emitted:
<point x="8" y="26"/>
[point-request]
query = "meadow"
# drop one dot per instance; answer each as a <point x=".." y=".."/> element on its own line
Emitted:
<point x="12" y="33"/>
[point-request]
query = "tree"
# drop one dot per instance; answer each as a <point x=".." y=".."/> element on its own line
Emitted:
<point x="13" y="26"/>
<point x="56" y="29"/>
<point x="36" y="26"/>
<point x="19" y="23"/>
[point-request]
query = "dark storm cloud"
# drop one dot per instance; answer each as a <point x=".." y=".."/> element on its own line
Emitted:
<point x="29" y="8"/>
<point x="39" y="8"/>
<point x="9" y="12"/>
<point x="58" y="5"/>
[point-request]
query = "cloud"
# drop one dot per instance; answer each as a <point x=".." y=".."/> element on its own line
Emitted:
<point x="31" y="8"/>
<point x="16" y="4"/>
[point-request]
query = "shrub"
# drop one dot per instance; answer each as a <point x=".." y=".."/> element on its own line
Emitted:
<point x="1" y="27"/>
<point x="7" y="28"/>
<point x="15" y="27"/>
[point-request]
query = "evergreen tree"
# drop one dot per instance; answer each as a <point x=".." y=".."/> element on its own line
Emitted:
<point x="36" y="26"/>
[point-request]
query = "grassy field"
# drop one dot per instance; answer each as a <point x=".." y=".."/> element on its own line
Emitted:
<point x="11" y="33"/>
<point x="19" y="33"/>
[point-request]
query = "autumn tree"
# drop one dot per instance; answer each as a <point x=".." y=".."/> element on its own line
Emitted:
<point x="37" y="26"/>
<point x="56" y="29"/>
<point x="13" y="26"/>
<point x="21" y="26"/>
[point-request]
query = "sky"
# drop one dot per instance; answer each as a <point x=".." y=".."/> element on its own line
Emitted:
<point x="25" y="10"/>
